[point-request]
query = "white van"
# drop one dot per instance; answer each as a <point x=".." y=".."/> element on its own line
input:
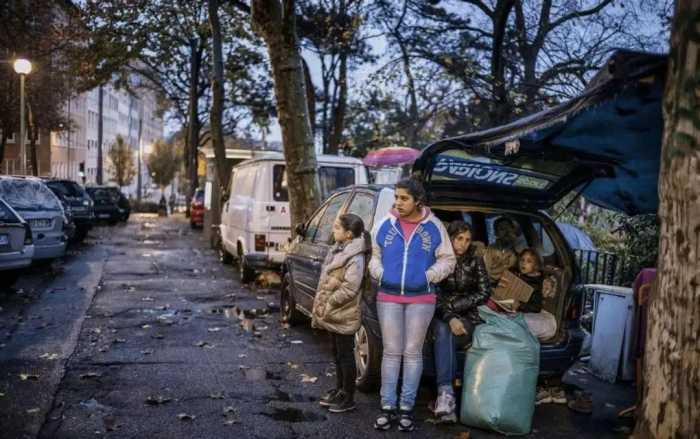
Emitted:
<point x="255" y="221"/>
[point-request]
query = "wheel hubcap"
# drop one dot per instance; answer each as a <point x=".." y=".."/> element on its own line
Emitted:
<point x="361" y="351"/>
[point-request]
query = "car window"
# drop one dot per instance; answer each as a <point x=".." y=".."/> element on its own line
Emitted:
<point x="312" y="225"/>
<point x="325" y="226"/>
<point x="362" y="205"/>
<point x="31" y="195"/>
<point x="279" y="183"/>
<point x="66" y="188"/>
<point x="544" y="242"/>
<point x="6" y="215"/>
<point x="245" y="181"/>
<point x="332" y="178"/>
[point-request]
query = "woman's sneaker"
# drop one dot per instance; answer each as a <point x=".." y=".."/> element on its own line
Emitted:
<point x="384" y="419"/>
<point x="544" y="396"/>
<point x="406" y="421"/>
<point x="343" y="402"/>
<point x="445" y="404"/>
<point x="558" y="395"/>
<point x="328" y="398"/>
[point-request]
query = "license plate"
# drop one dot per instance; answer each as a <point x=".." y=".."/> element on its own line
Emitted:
<point x="40" y="223"/>
<point x="103" y="215"/>
<point x="4" y="240"/>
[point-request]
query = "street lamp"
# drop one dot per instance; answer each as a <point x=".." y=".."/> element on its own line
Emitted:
<point x="23" y="67"/>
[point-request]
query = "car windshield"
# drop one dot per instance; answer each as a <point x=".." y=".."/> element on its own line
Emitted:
<point x="102" y="194"/>
<point x="66" y="188"/>
<point x="28" y="195"/>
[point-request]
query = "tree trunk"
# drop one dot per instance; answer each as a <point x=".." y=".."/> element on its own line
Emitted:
<point x="671" y="407"/>
<point x="193" y="124"/>
<point x="3" y="143"/>
<point x="499" y="111"/>
<point x="33" y="131"/>
<point x="217" y="90"/>
<point x="310" y="98"/>
<point x="275" y="22"/>
<point x="100" y="104"/>
<point x="339" y="107"/>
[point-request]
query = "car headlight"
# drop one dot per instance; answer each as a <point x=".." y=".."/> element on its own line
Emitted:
<point x="86" y="203"/>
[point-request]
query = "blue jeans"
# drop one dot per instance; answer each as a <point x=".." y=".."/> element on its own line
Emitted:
<point x="403" y="328"/>
<point x="445" y="355"/>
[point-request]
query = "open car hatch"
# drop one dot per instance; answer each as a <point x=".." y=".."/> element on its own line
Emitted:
<point x="605" y="143"/>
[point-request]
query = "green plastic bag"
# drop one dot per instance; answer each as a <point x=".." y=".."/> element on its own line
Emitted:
<point x="500" y="375"/>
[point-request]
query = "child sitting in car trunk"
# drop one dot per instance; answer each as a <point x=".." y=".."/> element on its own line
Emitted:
<point x="336" y="306"/>
<point x="542" y="323"/>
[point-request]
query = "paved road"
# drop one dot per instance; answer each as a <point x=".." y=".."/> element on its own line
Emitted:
<point x="142" y="333"/>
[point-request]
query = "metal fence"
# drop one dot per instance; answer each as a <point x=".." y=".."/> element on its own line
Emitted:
<point x="600" y="267"/>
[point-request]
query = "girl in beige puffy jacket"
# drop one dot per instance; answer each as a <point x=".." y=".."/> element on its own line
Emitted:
<point x="337" y="306"/>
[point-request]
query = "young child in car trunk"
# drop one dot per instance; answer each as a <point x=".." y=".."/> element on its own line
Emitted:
<point x="542" y="323"/>
<point x="336" y="306"/>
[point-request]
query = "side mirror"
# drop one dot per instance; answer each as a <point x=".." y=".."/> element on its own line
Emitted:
<point x="300" y="230"/>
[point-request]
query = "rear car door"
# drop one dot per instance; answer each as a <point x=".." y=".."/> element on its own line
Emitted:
<point x="309" y="254"/>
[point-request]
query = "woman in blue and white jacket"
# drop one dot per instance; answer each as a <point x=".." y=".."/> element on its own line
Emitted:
<point x="411" y="253"/>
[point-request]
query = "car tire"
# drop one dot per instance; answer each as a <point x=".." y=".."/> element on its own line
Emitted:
<point x="288" y="311"/>
<point x="246" y="272"/>
<point x="8" y="278"/>
<point x="80" y="234"/>
<point x="225" y="257"/>
<point x="368" y="360"/>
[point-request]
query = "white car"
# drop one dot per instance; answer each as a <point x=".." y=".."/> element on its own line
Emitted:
<point x="42" y="209"/>
<point x="16" y="244"/>
<point x="255" y="221"/>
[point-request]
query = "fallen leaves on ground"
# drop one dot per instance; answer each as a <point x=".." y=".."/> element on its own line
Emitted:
<point x="110" y="423"/>
<point x="247" y="325"/>
<point x="147" y="299"/>
<point x="463" y="435"/>
<point x="308" y="378"/>
<point x="292" y="365"/>
<point x="204" y="345"/>
<point x="119" y="340"/>
<point x="231" y="415"/>
<point x="157" y="400"/>
<point x="28" y="377"/>
<point x="48" y="356"/>
<point x="296" y="342"/>
<point x="214" y="329"/>
<point x="186" y="417"/>
<point x="217" y="395"/>
<point x="89" y="375"/>
<point x="147" y="351"/>
<point x="33" y="410"/>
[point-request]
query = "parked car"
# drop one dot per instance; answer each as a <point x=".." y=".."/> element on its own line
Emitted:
<point x="604" y="144"/>
<point x="81" y="206"/>
<point x="122" y="202"/>
<point x="197" y="209"/>
<point x="255" y="221"/>
<point x="106" y="204"/>
<point x="42" y="209"/>
<point x="16" y="245"/>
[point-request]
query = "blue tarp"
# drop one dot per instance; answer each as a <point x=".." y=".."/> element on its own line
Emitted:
<point x="575" y="237"/>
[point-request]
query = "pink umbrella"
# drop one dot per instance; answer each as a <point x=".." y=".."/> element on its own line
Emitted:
<point x="391" y="156"/>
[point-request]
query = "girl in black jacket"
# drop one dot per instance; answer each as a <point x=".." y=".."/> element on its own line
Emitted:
<point x="467" y="287"/>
